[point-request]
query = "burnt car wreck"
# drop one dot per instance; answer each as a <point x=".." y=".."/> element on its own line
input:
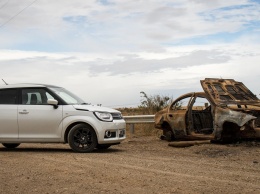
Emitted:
<point x="226" y="111"/>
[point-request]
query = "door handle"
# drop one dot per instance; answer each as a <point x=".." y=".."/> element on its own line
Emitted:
<point x="23" y="112"/>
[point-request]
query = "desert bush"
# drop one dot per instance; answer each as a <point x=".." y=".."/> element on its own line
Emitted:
<point x="149" y="105"/>
<point x="153" y="103"/>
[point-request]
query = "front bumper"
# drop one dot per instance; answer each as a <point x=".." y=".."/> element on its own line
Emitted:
<point x="112" y="132"/>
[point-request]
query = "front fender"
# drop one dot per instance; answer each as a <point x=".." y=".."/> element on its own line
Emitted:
<point x="223" y="115"/>
<point x="80" y="119"/>
<point x="159" y="118"/>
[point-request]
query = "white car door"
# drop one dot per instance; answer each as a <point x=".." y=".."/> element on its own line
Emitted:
<point x="37" y="119"/>
<point x="8" y="114"/>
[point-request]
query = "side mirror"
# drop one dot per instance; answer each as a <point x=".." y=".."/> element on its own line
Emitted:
<point x="53" y="102"/>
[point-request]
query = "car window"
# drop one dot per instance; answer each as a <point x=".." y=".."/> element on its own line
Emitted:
<point x="67" y="96"/>
<point x="8" y="96"/>
<point x="35" y="96"/>
<point x="181" y="104"/>
<point x="200" y="103"/>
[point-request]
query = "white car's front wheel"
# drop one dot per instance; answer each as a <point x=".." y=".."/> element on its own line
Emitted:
<point x="82" y="138"/>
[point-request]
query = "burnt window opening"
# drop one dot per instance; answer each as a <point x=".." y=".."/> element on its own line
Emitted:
<point x="240" y="89"/>
<point x="218" y="88"/>
<point x="211" y="91"/>
<point x="210" y="88"/>
<point x="225" y="97"/>
<point x="240" y="97"/>
<point x="231" y="89"/>
<point x="246" y="95"/>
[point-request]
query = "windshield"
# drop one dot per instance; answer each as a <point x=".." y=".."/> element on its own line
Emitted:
<point x="67" y="96"/>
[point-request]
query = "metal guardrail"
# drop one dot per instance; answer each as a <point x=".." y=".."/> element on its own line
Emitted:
<point x="139" y="119"/>
<point x="136" y="119"/>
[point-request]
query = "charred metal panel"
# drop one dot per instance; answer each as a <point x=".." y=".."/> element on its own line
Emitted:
<point x="177" y="122"/>
<point x="224" y="115"/>
<point x="159" y="118"/>
<point x="228" y="91"/>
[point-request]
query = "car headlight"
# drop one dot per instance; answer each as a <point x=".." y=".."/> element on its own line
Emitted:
<point x="104" y="116"/>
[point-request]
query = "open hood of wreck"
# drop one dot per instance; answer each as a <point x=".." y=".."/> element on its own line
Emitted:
<point x="228" y="91"/>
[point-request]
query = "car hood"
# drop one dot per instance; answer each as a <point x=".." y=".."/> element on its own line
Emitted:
<point x="94" y="108"/>
<point x="228" y="91"/>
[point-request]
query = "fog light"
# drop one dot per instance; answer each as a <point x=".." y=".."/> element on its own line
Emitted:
<point x="121" y="133"/>
<point x="108" y="134"/>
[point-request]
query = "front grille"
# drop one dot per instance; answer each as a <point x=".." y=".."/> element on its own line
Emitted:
<point x="117" y="116"/>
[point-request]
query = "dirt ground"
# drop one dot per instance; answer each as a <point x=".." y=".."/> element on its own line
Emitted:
<point x="138" y="165"/>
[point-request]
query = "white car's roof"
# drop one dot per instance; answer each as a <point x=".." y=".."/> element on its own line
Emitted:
<point x="25" y="86"/>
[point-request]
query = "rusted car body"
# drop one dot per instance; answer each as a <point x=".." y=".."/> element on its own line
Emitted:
<point x="226" y="110"/>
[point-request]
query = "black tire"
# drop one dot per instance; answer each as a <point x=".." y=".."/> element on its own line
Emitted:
<point x="82" y="138"/>
<point x="10" y="145"/>
<point x="103" y="146"/>
<point x="169" y="135"/>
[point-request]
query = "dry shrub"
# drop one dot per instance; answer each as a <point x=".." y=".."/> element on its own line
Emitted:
<point x="154" y="103"/>
<point x="149" y="106"/>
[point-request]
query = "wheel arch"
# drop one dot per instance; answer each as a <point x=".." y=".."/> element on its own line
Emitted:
<point x="230" y="131"/>
<point x="168" y="131"/>
<point x="74" y="124"/>
<point x="166" y="125"/>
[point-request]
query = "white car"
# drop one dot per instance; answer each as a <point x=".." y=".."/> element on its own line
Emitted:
<point x="35" y="113"/>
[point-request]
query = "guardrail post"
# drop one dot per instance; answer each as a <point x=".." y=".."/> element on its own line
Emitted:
<point x="136" y="119"/>
<point x="132" y="128"/>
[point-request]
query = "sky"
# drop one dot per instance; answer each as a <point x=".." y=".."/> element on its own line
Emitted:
<point x="108" y="51"/>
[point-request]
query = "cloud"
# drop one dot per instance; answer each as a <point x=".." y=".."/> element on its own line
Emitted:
<point x="123" y="64"/>
<point x="179" y="71"/>
<point x="90" y="26"/>
<point x="134" y="64"/>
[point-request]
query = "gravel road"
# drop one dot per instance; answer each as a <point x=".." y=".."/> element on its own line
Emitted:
<point x="138" y="165"/>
